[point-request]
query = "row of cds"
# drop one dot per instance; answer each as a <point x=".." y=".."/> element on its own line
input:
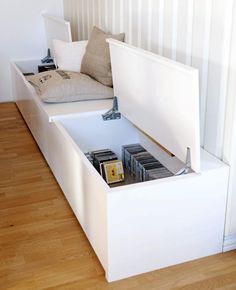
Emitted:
<point x="142" y="165"/>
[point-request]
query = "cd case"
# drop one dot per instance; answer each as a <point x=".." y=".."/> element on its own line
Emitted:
<point x="113" y="171"/>
<point x="107" y="164"/>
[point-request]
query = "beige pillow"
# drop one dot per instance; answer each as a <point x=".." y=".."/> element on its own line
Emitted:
<point x="96" y="61"/>
<point x="62" y="86"/>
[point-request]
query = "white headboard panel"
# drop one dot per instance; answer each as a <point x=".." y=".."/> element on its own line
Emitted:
<point x="160" y="96"/>
<point x="56" y="28"/>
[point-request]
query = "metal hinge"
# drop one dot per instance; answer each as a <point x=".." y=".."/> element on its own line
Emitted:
<point x="112" y="114"/>
<point x="187" y="167"/>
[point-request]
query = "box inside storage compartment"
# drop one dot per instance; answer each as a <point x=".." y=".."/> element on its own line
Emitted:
<point x="90" y="133"/>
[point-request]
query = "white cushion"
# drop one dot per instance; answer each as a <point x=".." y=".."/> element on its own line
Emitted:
<point x="68" y="55"/>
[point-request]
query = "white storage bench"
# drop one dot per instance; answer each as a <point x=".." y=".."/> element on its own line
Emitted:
<point x="137" y="227"/>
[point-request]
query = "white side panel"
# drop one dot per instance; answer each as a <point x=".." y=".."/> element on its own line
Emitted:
<point x="176" y="221"/>
<point x="34" y="115"/>
<point x="84" y="191"/>
<point x="159" y="96"/>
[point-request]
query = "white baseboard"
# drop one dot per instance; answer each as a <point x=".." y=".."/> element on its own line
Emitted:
<point x="229" y="243"/>
<point x="5" y="99"/>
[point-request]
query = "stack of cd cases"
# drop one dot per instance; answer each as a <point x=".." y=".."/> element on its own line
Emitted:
<point x="142" y="165"/>
<point x="107" y="164"/>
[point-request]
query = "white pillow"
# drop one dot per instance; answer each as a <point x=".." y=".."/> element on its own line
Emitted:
<point x="68" y="55"/>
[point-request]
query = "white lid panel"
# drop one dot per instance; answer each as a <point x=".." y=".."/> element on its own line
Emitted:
<point x="56" y="28"/>
<point x="160" y="96"/>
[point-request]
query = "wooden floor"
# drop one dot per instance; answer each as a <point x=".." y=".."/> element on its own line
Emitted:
<point x="42" y="246"/>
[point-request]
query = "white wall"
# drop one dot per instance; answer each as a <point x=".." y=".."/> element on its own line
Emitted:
<point x="22" y="34"/>
<point x="196" y="32"/>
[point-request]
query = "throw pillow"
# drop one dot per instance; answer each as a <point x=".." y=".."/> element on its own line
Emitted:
<point x="68" y="55"/>
<point x="61" y="86"/>
<point x="96" y="61"/>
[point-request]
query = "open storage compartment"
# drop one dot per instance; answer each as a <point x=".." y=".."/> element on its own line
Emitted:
<point x="90" y="133"/>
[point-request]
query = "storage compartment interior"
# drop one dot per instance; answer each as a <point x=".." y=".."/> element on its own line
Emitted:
<point x="90" y="133"/>
<point x="28" y="66"/>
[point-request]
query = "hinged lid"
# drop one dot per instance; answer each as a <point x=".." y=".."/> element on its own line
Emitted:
<point x="56" y="28"/>
<point x="160" y="96"/>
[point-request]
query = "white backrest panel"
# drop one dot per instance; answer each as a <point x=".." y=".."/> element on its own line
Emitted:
<point x="160" y="96"/>
<point x="56" y="28"/>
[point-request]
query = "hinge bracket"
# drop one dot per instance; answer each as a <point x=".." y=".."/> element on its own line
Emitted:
<point x="187" y="167"/>
<point x="112" y="114"/>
